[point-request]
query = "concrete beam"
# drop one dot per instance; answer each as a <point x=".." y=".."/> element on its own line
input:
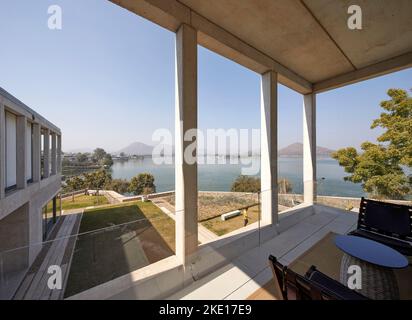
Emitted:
<point x="53" y="159"/>
<point x="269" y="158"/>
<point x="369" y="72"/>
<point x="20" y="108"/>
<point x="185" y="119"/>
<point x="21" y="145"/>
<point x="170" y="14"/>
<point x="46" y="153"/>
<point x="309" y="148"/>
<point x="2" y="151"/>
<point x="36" y="152"/>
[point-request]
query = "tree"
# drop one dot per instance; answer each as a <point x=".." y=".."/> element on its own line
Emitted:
<point x="98" y="155"/>
<point x="246" y="184"/>
<point x="142" y="184"/>
<point x="82" y="157"/>
<point x="119" y="185"/>
<point x="379" y="166"/>
<point x="252" y="184"/>
<point x="97" y="180"/>
<point x="107" y="160"/>
<point x="75" y="183"/>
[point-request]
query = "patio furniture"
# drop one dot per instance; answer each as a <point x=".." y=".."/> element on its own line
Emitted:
<point x="279" y="274"/>
<point x="315" y="285"/>
<point x="387" y="223"/>
<point x="376" y="262"/>
<point x="330" y="288"/>
<point x="288" y="285"/>
<point x="328" y="258"/>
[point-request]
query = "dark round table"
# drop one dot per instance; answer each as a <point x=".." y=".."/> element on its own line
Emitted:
<point x="376" y="262"/>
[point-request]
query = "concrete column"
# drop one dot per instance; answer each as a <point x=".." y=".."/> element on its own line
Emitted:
<point x="185" y="119"/>
<point x="53" y="153"/>
<point x="36" y="152"/>
<point x="2" y="151"/>
<point x="59" y="154"/>
<point x="309" y="148"/>
<point x="46" y="153"/>
<point x="21" y="144"/>
<point x="269" y="148"/>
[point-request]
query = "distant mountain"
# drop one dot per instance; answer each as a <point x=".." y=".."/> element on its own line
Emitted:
<point x="136" y="148"/>
<point x="296" y="149"/>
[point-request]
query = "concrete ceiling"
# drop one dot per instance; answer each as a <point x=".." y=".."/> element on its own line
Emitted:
<point x="311" y="37"/>
<point x="307" y="42"/>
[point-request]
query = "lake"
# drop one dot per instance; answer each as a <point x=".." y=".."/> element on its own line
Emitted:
<point x="219" y="177"/>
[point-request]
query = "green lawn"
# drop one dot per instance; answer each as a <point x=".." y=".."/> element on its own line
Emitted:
<point x="220" y="227"/>
<point x="81" y="201"/>
<point x="131" y="236"/>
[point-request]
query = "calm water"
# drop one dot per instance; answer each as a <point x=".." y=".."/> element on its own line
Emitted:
<point x="220" y="177"/>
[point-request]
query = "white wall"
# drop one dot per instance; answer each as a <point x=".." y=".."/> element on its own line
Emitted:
<point x="11" y="149"/>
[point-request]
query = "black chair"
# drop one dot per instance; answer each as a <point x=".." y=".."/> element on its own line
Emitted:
<point x="279" y="277"/>
<point x="387" y="223"/>
<point x="330" y="289"/>
<point x="314" y="286"/>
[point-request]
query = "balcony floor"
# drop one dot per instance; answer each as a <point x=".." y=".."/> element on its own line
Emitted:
<point x="249" y="272"/>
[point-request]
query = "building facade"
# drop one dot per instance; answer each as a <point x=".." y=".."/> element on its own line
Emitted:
<point x="30" y="180"/>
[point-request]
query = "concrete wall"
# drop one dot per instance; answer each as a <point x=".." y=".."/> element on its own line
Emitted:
<point x="14" y="240"/>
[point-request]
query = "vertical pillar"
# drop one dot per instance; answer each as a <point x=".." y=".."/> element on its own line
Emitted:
<point x="2" y="151"/>
<point x="185" y="119"/>
<point x="309" y="148"/>
<point x="46" y="153"/>
<point x="53" y="153"/>
<point x="21" y="145"/>
<point x="36" y="152"/>
<point x="269" y="149"/>
<point x="59" y="154"/>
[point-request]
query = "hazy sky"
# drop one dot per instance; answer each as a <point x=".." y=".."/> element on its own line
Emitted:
<point x="107" y="79"/>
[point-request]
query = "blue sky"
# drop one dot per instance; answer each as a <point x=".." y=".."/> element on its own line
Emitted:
<point x="107" y="79"/>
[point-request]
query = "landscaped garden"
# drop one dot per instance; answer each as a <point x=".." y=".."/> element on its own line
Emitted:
<point x="117" y="240"/>
<point x="81" y="201"/>
<point x="214" y="204"/>
<point x="220" y="227"/>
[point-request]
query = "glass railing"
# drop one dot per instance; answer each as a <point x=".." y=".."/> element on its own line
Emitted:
<point x="87" y="250"/>
<point x="122" y="246"/>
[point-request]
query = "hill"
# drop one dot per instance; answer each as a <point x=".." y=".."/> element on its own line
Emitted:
<point x="296" y="150"/>
<point x="136" y="148"/>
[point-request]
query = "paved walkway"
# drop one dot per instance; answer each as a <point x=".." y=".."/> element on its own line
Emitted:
<point x="58" y="251"/>
<point x="250" y="271"/>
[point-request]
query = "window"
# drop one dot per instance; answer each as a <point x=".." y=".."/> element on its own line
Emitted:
<point x="11" y="151"/>
<point x="29" y="152"/>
